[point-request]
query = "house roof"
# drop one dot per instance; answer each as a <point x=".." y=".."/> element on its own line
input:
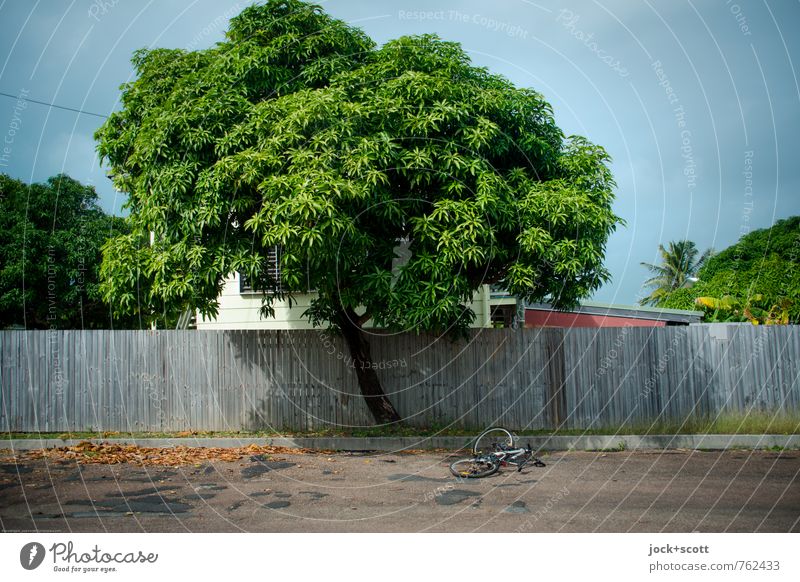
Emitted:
<point x="631" y="311"/>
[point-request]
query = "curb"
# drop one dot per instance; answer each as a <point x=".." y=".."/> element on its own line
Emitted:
<point x="397" y="444"/>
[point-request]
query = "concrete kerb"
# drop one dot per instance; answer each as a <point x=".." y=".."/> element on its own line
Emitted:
<point x="399" y="444"/>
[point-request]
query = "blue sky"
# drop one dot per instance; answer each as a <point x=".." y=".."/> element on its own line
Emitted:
<point x="697" y="102"/>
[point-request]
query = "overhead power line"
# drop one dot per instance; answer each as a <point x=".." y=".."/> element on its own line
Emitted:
<point x="27" y="99"/>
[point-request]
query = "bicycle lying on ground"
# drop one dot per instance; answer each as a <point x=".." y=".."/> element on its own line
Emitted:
<point x="494" y="448"/>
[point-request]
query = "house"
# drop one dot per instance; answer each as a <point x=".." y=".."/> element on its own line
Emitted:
<point x="240" y="304"/>
<point x="239" y="307"/>
<point x="591" y="314"/>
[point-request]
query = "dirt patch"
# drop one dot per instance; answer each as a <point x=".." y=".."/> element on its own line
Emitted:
<point x="258" y="469"/>
<point x="454" y="496"/>
<point x="276" y="505"/>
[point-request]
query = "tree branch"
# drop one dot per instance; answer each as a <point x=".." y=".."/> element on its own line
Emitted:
<point x="364" y="318"/>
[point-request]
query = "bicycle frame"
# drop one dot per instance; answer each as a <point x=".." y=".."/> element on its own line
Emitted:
<point x="518" y="457"/>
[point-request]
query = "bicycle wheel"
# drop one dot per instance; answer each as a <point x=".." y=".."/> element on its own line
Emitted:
<point x="491" y="439"/>
<point x="474" y="468"/>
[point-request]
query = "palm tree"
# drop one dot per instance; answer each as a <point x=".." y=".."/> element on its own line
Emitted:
<point x="678" y="268"/>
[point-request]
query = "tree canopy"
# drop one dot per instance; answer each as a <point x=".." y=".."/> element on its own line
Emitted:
<point x="51" y="236"/>
<point x="298" y="133"/>
<point x="760" y="272"/>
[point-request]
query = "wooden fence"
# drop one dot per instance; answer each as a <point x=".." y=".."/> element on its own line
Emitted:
<point x="53" y="381"/>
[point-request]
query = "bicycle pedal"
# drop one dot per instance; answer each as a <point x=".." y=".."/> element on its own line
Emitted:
<point x="538" y="463"/>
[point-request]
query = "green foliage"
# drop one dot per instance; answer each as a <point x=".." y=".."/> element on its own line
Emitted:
<point x="757" y="279"/>
<point x="679" y="299"/>
<point x="50" y="240"/>
<point x="296" y="132"/>
<point x="730" y="308"/>
<point x="679" y="265"/>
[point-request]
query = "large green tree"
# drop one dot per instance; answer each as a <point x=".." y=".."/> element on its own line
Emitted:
<point x="51" y="235"/>
<point x="678" y="269"/>
<point x="298" y="133"/>
<point x="756" y="279"/>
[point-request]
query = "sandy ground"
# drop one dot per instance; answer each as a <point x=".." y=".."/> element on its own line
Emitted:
<point x="674" y="491"/>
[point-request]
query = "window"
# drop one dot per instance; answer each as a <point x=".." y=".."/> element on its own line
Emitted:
<point x="274" y="272"/>
<point x="273" y="269"/>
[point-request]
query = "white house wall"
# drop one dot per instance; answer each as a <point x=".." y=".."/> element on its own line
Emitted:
<point x="241" y="310"/>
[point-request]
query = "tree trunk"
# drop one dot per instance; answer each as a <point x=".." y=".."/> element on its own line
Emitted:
<point x="377" y="401"/>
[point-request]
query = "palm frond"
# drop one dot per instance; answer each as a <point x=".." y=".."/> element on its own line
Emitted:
<point x="679" y="265"/>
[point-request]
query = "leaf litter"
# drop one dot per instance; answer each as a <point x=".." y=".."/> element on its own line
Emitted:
<point x="89" y="453"/>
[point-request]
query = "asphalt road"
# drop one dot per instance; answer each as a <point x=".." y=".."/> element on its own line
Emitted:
<point x="673" y="491"/>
